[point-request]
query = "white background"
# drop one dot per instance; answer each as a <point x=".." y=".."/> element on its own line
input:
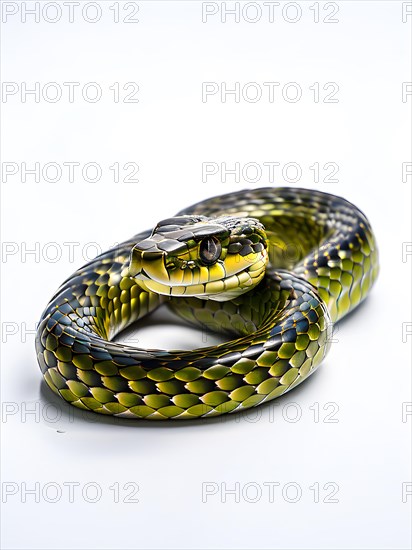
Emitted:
<point x="363" y="448"/>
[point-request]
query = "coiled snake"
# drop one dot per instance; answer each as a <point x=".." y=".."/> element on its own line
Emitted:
<point x="273" y="267"/>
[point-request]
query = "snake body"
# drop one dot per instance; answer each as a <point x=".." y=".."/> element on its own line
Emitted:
<point x="273" y="267"/>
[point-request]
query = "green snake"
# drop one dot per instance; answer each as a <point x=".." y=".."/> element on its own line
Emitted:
<point x="272" y="267"/>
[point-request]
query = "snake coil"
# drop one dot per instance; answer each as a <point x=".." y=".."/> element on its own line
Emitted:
<point x="274" y="267"/>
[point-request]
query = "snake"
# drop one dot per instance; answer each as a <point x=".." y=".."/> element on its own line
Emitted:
<point x="273" y="269"/>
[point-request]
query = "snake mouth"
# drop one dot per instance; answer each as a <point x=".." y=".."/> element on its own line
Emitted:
<point x="173" y="276"/>
<point x="221" y="290"/>
<point x="147" y="265"/>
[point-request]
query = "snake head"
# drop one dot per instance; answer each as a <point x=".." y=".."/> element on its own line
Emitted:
<point x="209" y="258"/>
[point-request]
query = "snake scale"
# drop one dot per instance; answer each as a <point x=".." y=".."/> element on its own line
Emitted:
<point x="273" y="267"/>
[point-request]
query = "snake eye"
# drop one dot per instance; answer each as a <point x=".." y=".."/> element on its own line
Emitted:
<point x="210" y="249"/>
